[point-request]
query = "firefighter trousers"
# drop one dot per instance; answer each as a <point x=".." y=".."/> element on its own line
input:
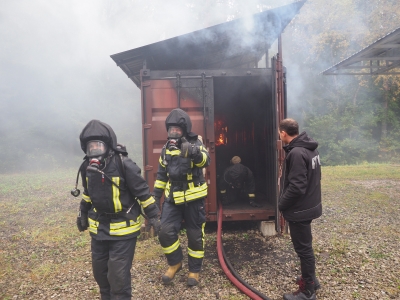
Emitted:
<point x="111" y="263"/>
<point x="194" y="215"/>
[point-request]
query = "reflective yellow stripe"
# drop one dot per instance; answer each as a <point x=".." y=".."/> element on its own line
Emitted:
<point x="160" y="184"/>
<point x="147" y="202"/>
<point x="203" y="162"/>
<point x="93" y="225"/>
<point x="173" y="152"/>
<point x="195" y="254"/>
<point x="189" y="176"/>
<point x="86" y="198"/>
<point x="161" y="162"/>
<point x="117" y="202"/>
<point x="203" y="234"/>
<point x="190" y="194"/>
<point x="167" y="188"/>
<point x="223" y="192"/>
<point x="252" y="195"/>
<point x="120" y="228"/>
<point x="191" y="185"/>
<point x="172" y="248"/>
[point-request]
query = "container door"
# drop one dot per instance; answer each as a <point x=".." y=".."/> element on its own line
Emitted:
<point x="194" y="94"/>
<point x="280" y="96"/>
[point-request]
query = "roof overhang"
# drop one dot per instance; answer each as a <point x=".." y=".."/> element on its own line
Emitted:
<point x="235" y="44"/>
<point x="380" y="58"/>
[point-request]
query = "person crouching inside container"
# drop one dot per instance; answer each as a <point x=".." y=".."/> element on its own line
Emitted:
<point x="237" y="184"/>
<point x="180" y="177"/>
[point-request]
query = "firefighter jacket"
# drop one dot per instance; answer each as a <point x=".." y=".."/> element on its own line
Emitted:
<point x="301" y="194"/>
<point x="181" y="178"/>
<point x="238" y="177"/>
<point x="113" y="199"/>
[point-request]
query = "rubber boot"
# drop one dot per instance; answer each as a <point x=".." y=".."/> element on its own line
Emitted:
<point x="193" y="279"/>
<point x="170" y="274"/>
<point x="306" y="291"/>
<point x="317" y="285"/>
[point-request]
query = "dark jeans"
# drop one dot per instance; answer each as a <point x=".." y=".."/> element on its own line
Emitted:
<point x="194" y="215"/>
<point x="112" y="262"/>
<point x="300" y="232"/>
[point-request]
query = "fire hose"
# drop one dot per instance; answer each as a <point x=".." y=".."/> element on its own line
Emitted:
<point x="228" y="269"/>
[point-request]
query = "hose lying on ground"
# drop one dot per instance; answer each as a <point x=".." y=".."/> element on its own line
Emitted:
<point x="230" y="272"/>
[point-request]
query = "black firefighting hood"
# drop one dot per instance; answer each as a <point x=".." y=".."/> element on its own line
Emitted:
<point x="178" y="117"/>
<point x="97" y="130"/>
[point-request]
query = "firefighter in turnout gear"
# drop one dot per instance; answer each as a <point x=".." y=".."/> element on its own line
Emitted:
<point x="237" y="183"/>
<point x="114" y="194"/>
<point x="181" y="179"/>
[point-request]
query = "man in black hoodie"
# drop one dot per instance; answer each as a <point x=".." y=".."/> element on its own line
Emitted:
<point x="300" y="201"/>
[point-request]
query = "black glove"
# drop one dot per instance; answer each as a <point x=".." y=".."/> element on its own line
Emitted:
<point x="254" y="203"/>
<point x="152" y="211"/>
<point x="82" y="221"/>
<point x="156" y="224"/>
<point x="188" y="149"/>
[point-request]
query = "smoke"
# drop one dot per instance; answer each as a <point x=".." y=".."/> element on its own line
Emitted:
<point x="56" y="73"/>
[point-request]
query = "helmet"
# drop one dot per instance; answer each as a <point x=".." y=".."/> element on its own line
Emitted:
<point x="178" y="117"/>
<point x="98" y="131"/>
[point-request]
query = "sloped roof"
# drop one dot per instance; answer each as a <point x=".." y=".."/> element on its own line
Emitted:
<point x="232" y="44"/>
<point x="379" y="58"/>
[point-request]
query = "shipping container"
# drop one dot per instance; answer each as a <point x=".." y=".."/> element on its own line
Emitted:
<point x="234" y="105"/>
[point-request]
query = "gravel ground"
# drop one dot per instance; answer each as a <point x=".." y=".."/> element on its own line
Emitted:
<point x="356" y="241"/>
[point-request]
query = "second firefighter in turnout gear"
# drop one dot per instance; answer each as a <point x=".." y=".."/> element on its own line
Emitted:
<point x="237" y="184"/>
<point x="180" y="177"/>
<point x="114" y="194"/>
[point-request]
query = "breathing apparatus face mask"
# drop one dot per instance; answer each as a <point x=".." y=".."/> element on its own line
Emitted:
<point x="96" y="151"/>
<point x="175" y="132"/>
<point x="174" y="137"/>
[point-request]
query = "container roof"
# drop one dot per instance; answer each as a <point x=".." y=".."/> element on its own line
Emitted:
<point x="380" y="58"/>
<point x="233" y="44"/>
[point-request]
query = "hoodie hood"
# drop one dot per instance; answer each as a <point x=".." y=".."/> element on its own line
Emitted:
<point x="178" y="117"/>
<point x="97" y="130"/>
<point x="302" y="140"/>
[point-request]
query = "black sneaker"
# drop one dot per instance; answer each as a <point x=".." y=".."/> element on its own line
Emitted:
<point x="305" y="292"/>
<point x="317" y="284"/>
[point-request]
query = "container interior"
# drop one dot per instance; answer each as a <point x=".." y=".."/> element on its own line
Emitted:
<point x="245" y="126"/>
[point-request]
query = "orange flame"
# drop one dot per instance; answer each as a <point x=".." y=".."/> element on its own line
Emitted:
<point x="220" y="133"/>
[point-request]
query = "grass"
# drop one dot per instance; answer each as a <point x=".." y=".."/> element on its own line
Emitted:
<point x="360" y="172"/>
<point x="40" y="239"/>
<point x="148" y="250"/>
<point x="361" y="206"/>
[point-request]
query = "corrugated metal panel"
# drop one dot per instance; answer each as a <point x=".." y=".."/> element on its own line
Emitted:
<point x="378" y="58"/>
<point x="229" y="45"/>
